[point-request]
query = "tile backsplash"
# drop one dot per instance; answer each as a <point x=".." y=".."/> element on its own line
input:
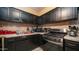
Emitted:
<point x="14" y="26"/>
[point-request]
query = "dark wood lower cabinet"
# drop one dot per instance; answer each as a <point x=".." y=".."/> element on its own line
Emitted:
<point x="9" y="44"/>
<point x="37" y="39"/>
<point x="19" y="44"/>
<point x="0" y="44"/>
<point x="71" y="45"/>
<point x="27" y="43"/>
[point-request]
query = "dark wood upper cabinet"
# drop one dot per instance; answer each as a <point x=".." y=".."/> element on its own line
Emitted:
<point x="40" y="21"/>
<point x="60" y="14"/>
<point x="31" y="19"/>
<point x="4" y="13"/>
<point x="14" y="14"/>
<point x="52" y="16"/>
<point x="24" y="17"/>
<point x="63" y="13"/>
<point x="28" y="18"/>
<point x="55" y="15"/>
<point x="10" y="14"/>
<point x="45" y="18"/>
<point x="68" y="13"/>
<point x="34" y="18"/>
<point x="36" y="21"/>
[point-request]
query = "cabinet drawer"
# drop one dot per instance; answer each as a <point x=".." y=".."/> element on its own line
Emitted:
<point x="72" y="44"/>
<point x="4" y="13"/>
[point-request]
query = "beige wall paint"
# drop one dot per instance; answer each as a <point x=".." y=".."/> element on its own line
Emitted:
<point x="59" y="25"/>
<point x="14" y="26"/>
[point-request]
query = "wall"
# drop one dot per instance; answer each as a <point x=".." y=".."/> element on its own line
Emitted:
<point x="61" y="25"/>
<point x="23" y="27"/>
<point x="10" y="26"/>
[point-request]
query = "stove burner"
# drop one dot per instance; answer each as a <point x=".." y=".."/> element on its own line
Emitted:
<point x="55" y="37"/>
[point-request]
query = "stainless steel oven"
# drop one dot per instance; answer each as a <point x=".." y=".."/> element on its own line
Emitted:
<point x="55" y="37"/>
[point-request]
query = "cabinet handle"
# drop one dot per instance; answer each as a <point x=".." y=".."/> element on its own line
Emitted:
<point x="71" y="44"/>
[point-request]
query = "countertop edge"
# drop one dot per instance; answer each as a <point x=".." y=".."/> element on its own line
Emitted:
<point x="18" y="35"/>
<point x="76" y="39"/>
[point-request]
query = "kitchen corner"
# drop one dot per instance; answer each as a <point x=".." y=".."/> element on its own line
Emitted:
<point x="39" y="29"/>
<point x="72" y="38"/>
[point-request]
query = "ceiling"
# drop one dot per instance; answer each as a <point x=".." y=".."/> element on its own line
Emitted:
<point x="36" y="10"/>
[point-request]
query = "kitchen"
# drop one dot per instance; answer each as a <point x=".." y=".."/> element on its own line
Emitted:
<point x="39" y="29"/>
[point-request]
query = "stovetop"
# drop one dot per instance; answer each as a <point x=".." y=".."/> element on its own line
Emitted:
<point x="56" y="38"/>
<point x="55" y="35"/>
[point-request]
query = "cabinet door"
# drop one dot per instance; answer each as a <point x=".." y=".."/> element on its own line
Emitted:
<point x="71" y="45"/>
<point x="39" y="41"/>
<point x="14" y="14"/>
<point x="58" y="14"/>
<point x="46" y="18"/>
<point x="10" y="44"/>
<point x="69" y="13"/>
<point x="39" y="21"/>
<point x="4" y="13"/>
<point x="43" y="19"/>
<point x="36" y="21"/>
<point x="30" y="19"/>
<point x="25" y="17"/>
<point x="53" y="16"/>
<point x="34" y="18"/>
